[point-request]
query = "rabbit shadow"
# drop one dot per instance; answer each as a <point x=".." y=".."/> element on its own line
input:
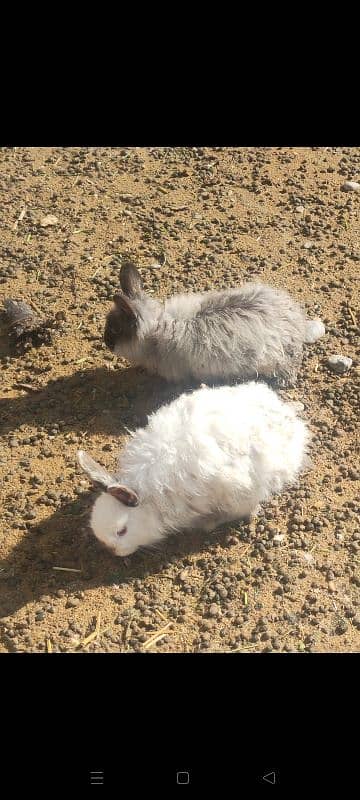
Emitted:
<point x="100" y="400"/>
<point x="64" y="540"/>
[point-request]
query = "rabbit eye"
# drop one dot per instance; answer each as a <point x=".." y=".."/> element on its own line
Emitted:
<point x="122" y="532"/>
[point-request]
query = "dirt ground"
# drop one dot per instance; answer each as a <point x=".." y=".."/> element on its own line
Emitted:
<point x="192" y="218"/>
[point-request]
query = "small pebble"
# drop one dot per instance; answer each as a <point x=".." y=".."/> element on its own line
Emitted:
<point x="214" y="610"/>
<point x="342" y="627"/>
<point x="339" y="364"/>
<point x="72" y="602"/>
<point x="350" y="186"/>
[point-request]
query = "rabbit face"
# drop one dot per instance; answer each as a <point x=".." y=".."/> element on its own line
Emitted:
<point x="133" y="316"/>
<point x="117" y="518"/>
<point x="120" y="325"/>
<point x="110" y="518"/>
<point x="122" y="529"/>
<point x="121" y="322"/>
<point x="109" y="522"/>
<point x="115" y="525"/>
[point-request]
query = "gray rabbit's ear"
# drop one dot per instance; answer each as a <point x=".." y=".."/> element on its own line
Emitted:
<point x="130" y="280"/>
<point x="123" y="303"/>
<point x="94" y="471"/>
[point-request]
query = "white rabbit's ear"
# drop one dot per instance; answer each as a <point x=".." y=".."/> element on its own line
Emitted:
<point x="100" y="475"/>
<point x="94" y="471"/>
<point x="130" y="280"/>
<point x="125" y="495"/>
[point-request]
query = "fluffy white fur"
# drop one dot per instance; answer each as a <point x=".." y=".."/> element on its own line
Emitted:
<point x="208" y="457"/>
<point x="314" y="330"/>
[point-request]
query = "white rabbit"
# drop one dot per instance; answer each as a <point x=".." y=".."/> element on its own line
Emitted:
<point x="207" y="458"/>
<point x="254" y="330"/>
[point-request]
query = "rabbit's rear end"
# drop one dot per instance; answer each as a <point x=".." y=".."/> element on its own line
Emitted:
<point x="248" y="332"/>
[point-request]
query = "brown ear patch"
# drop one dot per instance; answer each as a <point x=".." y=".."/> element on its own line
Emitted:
<point x="124" y="495"/>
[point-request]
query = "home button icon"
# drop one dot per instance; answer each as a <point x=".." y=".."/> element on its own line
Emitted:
<point x="182" y="777"/>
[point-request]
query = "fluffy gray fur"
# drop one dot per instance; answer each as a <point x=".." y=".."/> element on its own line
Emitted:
<point x="253" y="331"/>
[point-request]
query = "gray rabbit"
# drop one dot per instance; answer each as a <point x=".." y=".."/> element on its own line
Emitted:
<point x="245" y="333"/>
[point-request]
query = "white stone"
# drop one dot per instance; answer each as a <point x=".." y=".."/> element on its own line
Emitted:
<point x="350" y="186"/>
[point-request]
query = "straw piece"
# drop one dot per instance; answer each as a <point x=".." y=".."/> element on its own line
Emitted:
<point x="67" y="569"/>
<point x="352" y="315"/>
<point x="155" y="636"/>
<point x="154" y="641"/>
<point x="27" y="386"/>
<point x="160" y="614"/>
<point x="93" y="635"/>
